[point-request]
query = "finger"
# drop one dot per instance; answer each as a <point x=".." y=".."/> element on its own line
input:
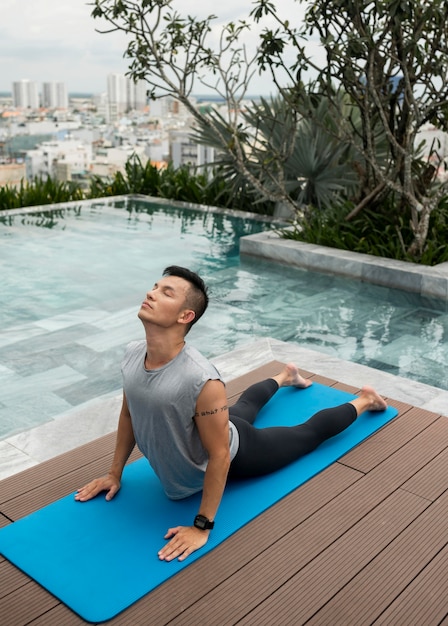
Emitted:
<point x="167" y="553"/>
<point x="171" y="532"/>
<point x="88" y="491"/>
<point x="83" y="494"/>
<point x="112" y="491"/>
<point x="171" y="550"/>
<point x="186" y="553"/>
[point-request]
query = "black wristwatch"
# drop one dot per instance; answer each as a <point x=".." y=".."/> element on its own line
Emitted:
<point x="203" y="523"/>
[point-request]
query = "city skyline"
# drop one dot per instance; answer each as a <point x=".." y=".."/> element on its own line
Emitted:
<point x="56" y="41"/>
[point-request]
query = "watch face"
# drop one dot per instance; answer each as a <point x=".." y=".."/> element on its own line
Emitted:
<point x="202" y="522"/>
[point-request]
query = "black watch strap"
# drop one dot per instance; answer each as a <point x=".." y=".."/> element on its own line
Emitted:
<point x="203" y="523"/>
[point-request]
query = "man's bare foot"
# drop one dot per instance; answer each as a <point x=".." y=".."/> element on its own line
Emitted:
<point x="376" y="401"/>
<point x="290" y="377"/>
<point x="369" y="400"/>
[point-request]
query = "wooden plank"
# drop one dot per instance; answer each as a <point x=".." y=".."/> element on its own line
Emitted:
<point x="392" y="571"/>
<point x="431" y="481"/>
<point x="4" y="521"/>
<point x="28" y="501"/>
<point x="25" y="604"/>
<point x="413" y="455"/>
<point x="11" y="578"/>
<point x="45" y="472"/>
<point x="285" y="585"/>
<point x="236" y="386"/>
<point x="424" y="599"/>
<point x="407" y="425"/>
<point x="60" y="615"/>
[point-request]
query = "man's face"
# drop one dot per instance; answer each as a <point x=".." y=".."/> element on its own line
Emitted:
<point x="165" y="303"/>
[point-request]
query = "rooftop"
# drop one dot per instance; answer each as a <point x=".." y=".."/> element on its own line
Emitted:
<point x="363" y="542"/>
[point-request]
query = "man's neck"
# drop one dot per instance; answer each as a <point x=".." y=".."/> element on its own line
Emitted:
<point x="161" y="350"/>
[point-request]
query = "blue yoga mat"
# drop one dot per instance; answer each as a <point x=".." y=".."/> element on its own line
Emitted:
<point x="100" y="557"/>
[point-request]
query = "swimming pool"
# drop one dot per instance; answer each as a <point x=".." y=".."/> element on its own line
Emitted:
<point x="73" y="280"/>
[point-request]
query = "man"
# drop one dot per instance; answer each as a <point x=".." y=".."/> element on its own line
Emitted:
<point x="175" y="408"/>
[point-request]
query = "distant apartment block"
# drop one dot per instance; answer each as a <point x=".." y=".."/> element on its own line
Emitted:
<point x="108" y="161"/>
<point x="63" y="160"/>
<point x="12" y="174"/>
<point x="124" y="95"/>
<point x="167" y="107"/>
<point x="54" y="95"/>
<point x="25" y="94"/>
<point x="184" y="151"/>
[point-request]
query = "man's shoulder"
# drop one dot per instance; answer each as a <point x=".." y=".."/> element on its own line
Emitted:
<point x="191" y="353"/>
<point x="198" y="360"/>
<point x="134" y="348"/>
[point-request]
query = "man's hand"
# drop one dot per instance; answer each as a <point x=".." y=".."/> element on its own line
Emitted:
<point x="185" y="540"/>
<point x="108" y="483"/>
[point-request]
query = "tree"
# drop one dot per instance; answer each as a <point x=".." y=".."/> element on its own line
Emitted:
<point x="384" y="76"/>
<point x="391" y="58"/>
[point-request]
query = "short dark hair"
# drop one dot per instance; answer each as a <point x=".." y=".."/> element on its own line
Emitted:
<point x="197" y="298"/>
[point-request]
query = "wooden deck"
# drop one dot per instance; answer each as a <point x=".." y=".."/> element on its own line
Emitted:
<point x="364" y="542"/>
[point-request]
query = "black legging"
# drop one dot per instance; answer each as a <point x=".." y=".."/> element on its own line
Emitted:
<point x="265" y="450"/>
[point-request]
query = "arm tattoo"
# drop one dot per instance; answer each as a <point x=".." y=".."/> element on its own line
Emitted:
<point x="212" y="411"/>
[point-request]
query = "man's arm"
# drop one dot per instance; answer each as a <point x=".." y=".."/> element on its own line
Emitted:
<point x="123" y="447"/>
<point x="213" y="426"/>
<point x="212" y="421"/>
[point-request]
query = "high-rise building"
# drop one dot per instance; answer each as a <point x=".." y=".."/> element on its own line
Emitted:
<point x="54" y="95"/>
<point x="137" y="94"/>
<point x="117" y="93"/>
<point x="124" y="95"/>
<point x="25" y="94"/>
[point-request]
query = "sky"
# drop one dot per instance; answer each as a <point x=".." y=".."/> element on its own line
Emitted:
<point x="56" y="40"/>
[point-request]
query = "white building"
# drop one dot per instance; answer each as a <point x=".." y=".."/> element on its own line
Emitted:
<point x="109" y="161"/>
<point x="117" y="94"/>
<point x="50" y="158"/>
<point x="161" y="108"/>
<point x="184" y="151"/>
<point x="124" y="95"/>
<point x="137" y="97"/>
<point x="11" y="174"/>
<point x="101" y="103"/>
<point x="54" y="95"/>
<point x="167" y="107"/>
<point x="25" y="94"/>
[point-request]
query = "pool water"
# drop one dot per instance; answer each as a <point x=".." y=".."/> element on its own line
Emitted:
<point x="73" y="281"/>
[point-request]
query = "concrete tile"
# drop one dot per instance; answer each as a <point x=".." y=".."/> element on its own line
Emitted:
<point x="73" y="318"/>
<point x="13" y="460"/>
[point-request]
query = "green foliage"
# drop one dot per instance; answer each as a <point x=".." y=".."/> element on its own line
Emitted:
<point x="374" y="232"/>
<point x="39" y="192"/>
<point x="181" y="184"/>
<point x="311" y="162"/>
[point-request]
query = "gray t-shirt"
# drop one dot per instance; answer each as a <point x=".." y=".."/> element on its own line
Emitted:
<point x="162" y="404"/>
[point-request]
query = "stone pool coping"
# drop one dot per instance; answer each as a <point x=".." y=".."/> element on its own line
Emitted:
<point x="430" y="282"/>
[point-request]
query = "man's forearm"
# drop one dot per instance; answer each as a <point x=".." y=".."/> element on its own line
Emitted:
<point x="214" y="484"/>
<point x="124" y="445"/>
